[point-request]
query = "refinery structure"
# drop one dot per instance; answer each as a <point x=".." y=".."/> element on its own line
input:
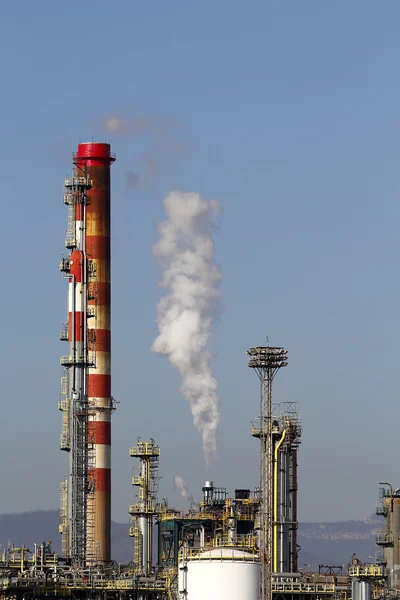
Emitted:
<point x="240" y="544"/>
<point x="86" y="384"/>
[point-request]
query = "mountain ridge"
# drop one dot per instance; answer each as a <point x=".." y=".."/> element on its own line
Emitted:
<point x="330" y="543"/>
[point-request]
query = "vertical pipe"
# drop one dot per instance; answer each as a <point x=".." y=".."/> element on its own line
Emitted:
<point x="144" y="518"/>
<point x="283" y="503"/>
<point x="365" y="590"/>
<point x="288" y="512"/>
<point x="144" y="528"/>
<point x="294" y="523"/>
<point x="202" y="537"/>
<point x="76" y="483"/>
<point x="395" y="531"/>
<point x="355" y="589"/>
<point x="96" y="159"/>
<point x="388" y="552"/>
<point x="150" y="561"/>
<point x="275" y="546"/>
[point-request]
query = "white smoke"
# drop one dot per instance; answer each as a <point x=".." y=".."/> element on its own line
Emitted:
<point x="185" y="250"/>
<point x="116" y="125"/>
<point x="180" y="485"/>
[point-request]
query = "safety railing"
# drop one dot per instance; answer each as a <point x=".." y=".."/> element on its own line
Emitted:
<point x="384" y="538"/>
<point x="64" y="265"/>
<point x="64" y="332"/>
<point x="170" y="515"/>
<point x="224" y="554"/>
<point x="302" y="587"/>
<point x="142" y="507"/>
<point x="381" y="509"/>
<point x="138" y="480"/>
<point x="70" y="240"/>
<point x="84" y="583"/>
<point x="366" y="571"/>
<point x="78" y="359"/>
<point x="77" y="183"/>
<point x="222" y="542"/>
<point x="144" y="449"/>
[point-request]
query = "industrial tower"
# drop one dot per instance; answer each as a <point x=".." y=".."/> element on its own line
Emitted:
<point x="266" y="361"/>
<point x="85" y="519"/>
<point x="144" y="511"/>
<point x="388" y="538"/>
<point x="286" y="433"/>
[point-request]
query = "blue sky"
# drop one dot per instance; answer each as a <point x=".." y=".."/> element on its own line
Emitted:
<point x="289" y="116"/>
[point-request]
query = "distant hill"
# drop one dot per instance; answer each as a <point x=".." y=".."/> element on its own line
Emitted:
<point x="320" y="543"/>
<point x="334" y="543"/>
<point x="42" y="525"/>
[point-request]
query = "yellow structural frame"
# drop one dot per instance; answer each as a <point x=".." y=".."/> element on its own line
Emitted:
<point x="366" y="571"/>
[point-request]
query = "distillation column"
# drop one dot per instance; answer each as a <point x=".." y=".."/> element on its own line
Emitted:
<point x="287" y="437"/>
<point x="293" y="518"/>
<point x="144" y="511"/>
<point x="95" y="159"/>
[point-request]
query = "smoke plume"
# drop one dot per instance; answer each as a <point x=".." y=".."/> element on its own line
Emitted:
<point x="180" y="485"/>
<point x="116" y="125"/>
<point x="161" y="136"/>
<point x="132" y="180"/>
<point x="185" y="250"/>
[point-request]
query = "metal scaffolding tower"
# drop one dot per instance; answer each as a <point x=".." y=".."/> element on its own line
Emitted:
<point x="266" y="361"/>
<point x="144" y="511"/>
<point x="74" y="523"/>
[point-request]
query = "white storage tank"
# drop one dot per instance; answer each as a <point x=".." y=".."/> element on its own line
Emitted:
<point x="219" y="574"/>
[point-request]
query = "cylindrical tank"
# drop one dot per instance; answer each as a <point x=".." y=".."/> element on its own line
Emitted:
<point x="355" y="589"/>
<point x="220" y="574"/>
<point x="365" y="590"/>
<point x="95" y="160"/>
<point x="208" y="490"/>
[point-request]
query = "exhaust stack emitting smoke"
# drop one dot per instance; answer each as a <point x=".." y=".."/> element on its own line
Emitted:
<point x="180" y="485"/>
<point x="185" y="250"/>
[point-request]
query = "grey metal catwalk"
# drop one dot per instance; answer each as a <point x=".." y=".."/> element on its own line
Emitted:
<point x="266" y="361"/>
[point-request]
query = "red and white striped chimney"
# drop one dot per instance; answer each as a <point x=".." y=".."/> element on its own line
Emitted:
<point x="95" y="159"/>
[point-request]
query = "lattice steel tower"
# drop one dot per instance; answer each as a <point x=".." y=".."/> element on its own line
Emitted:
<point x="266" y="361"/>
<point x="77" y="268"/>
